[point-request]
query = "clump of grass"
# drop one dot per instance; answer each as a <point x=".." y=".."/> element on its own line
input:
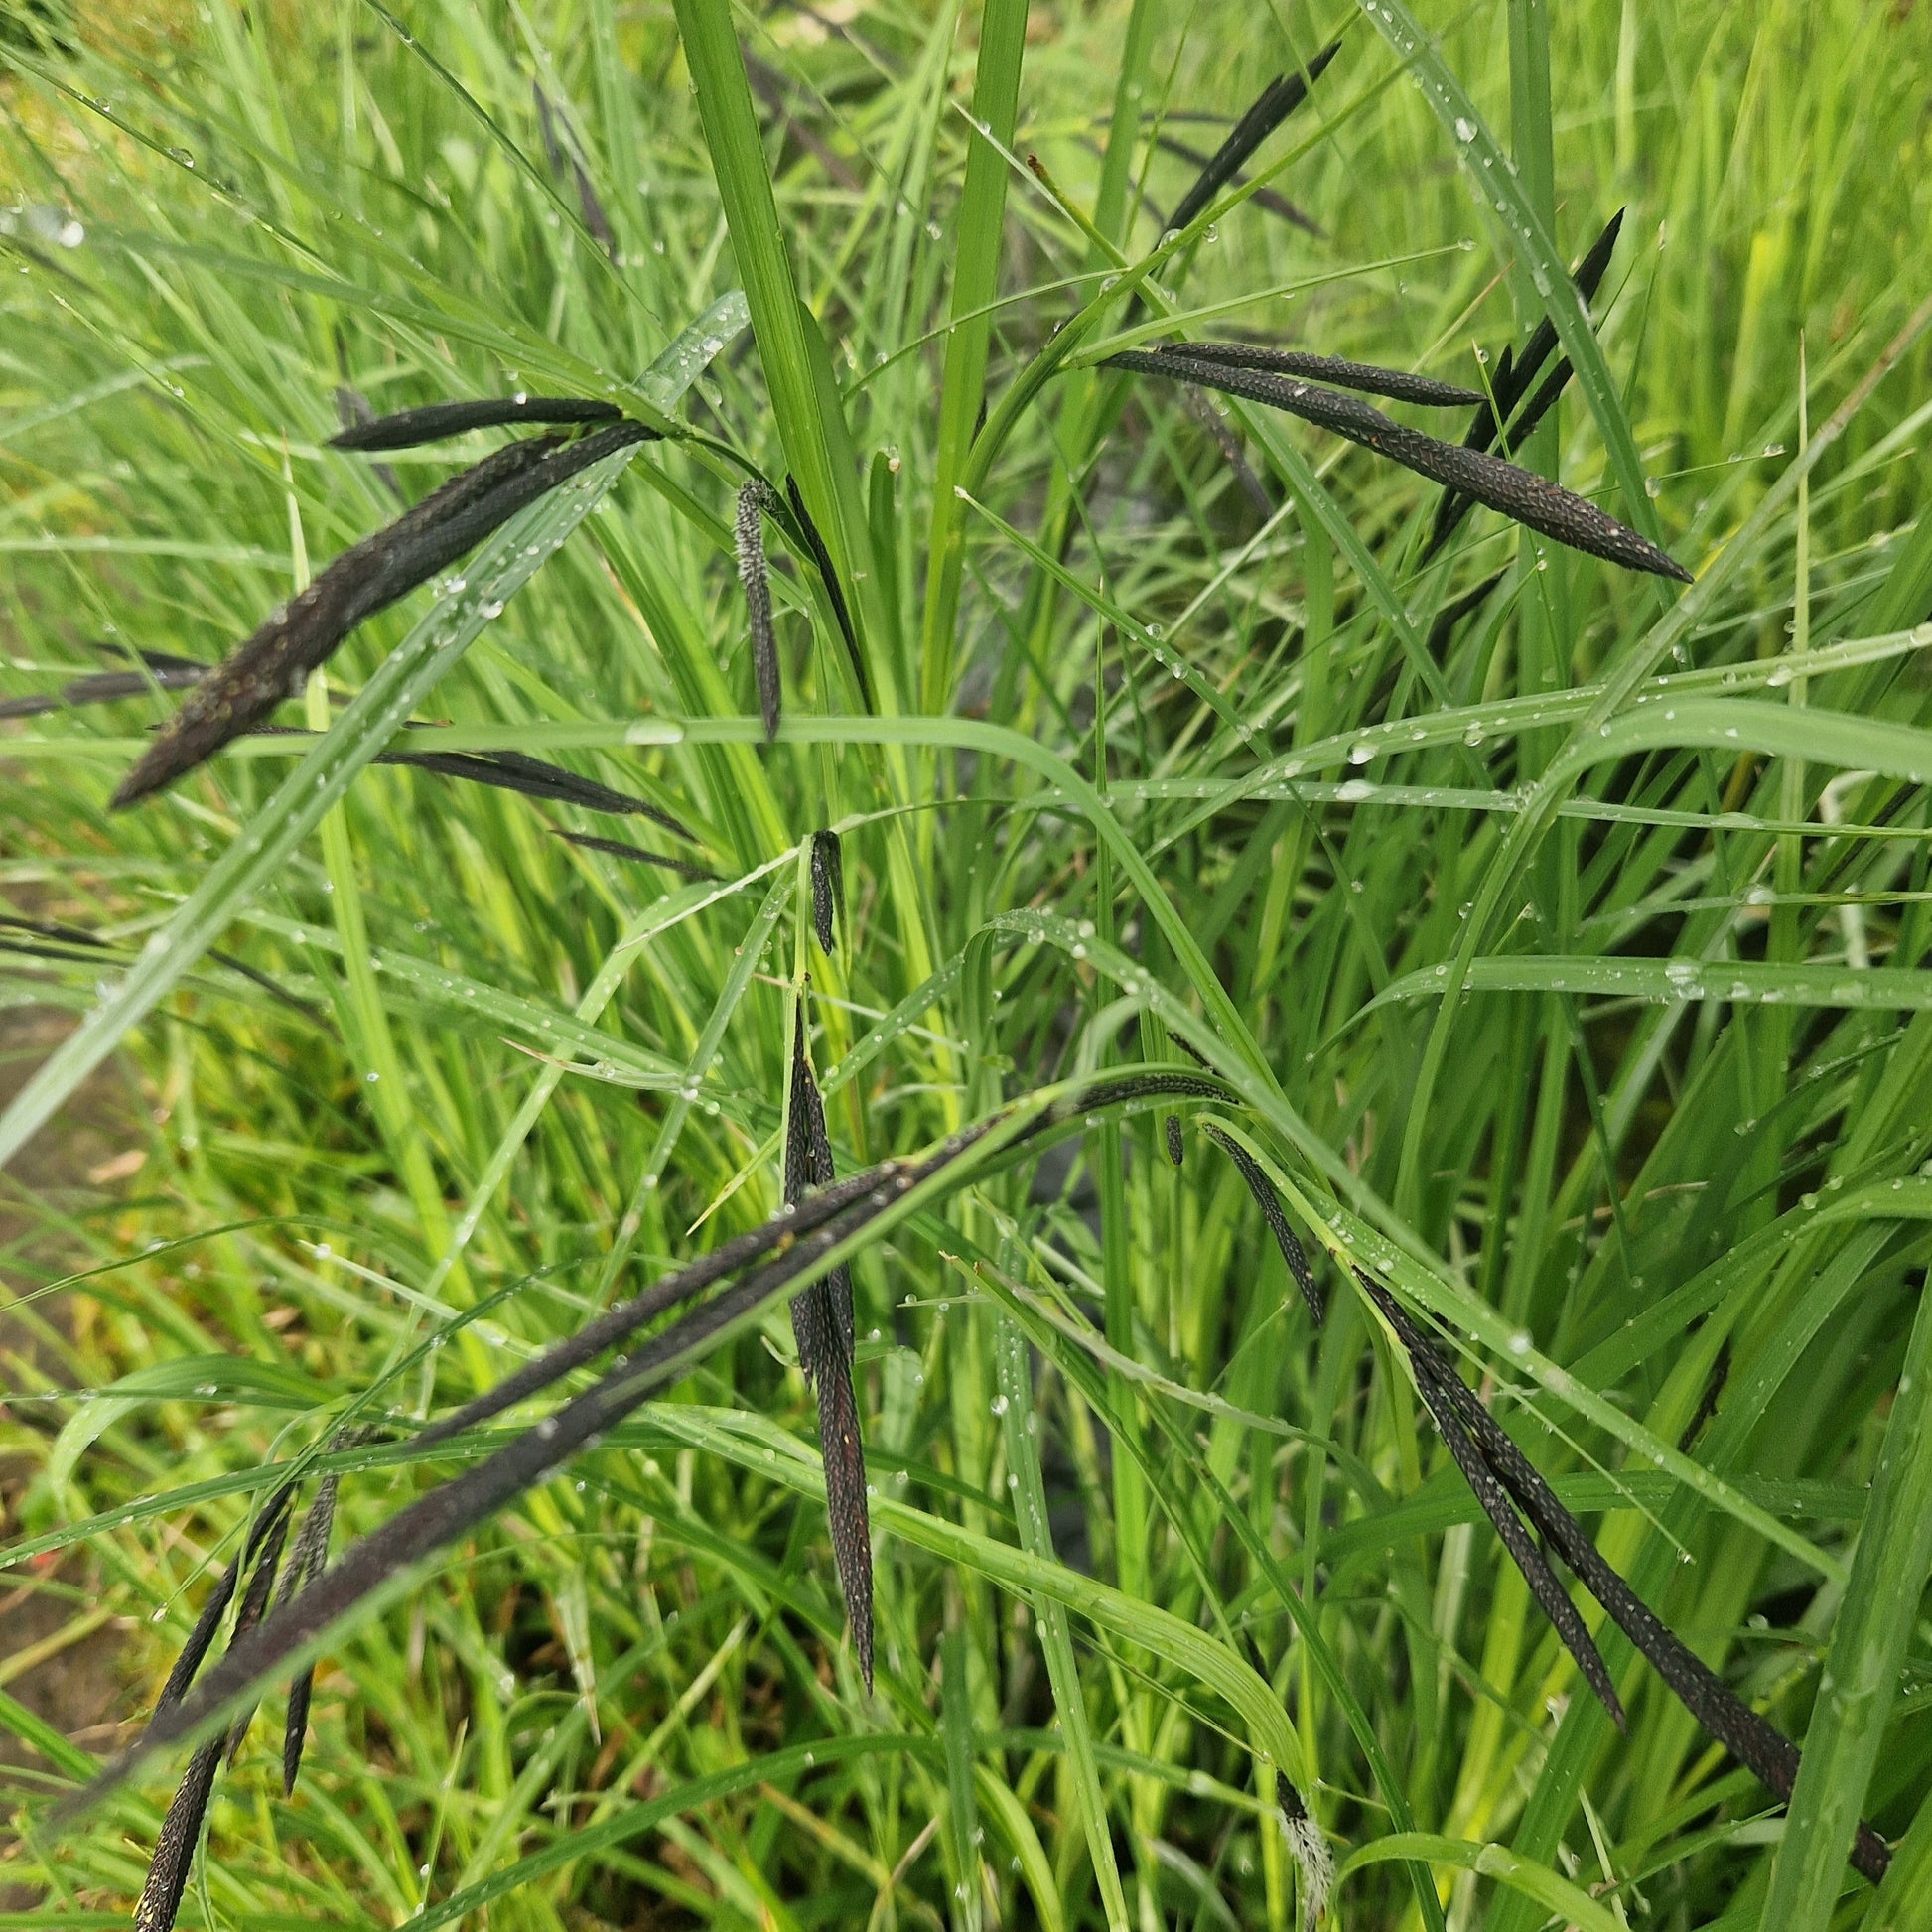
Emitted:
<point x="1551" y="940"/>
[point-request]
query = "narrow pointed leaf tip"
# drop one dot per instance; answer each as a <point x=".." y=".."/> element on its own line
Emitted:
<point x="304" y="633"/>
<point x="434" y="421"/>
<point x="1520" y="494"/>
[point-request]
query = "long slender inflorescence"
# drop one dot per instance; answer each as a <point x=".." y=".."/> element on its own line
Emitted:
<point x="822" y="1326"/>
<point x="1518" y="493"/>
<point x="754" y="502"/>
<point x="1513" y="376"/>
<point x="1510" y="1476"/>
<point x="304" y="633"/>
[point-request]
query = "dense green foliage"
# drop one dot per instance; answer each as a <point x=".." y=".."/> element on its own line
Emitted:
<point x="1571" y="960"/>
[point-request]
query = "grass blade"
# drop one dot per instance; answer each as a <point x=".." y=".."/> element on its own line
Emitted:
<point x="1858" y="1681"/>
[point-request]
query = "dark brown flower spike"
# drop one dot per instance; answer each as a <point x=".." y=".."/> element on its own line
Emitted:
<point x="181" y="1829"/>
<point x="755" y="500"/>
<point x="789" y="1245"/>
<point x="436" y="422"/>
<point x="527" y="776"/>
<point x="1434" y="1372"/>
<point x="617" y="849"/>
<point x="1224" y="439"/>
<point x="209" y="1621"/>
<point x="307" y="1560"/>
<point x="1514" y="377"/>
<point x="1514" y="374"/>
<point x="822" y="558"/>
<point x="163" y="670"/>
<point x="1520" y="494"/>
<point x="254" y="1606"/>
<point x="533" y="779"/>
<point x="822" y="1326"/>
<point x="828" y="889"/>
<point x="592" y="210"/>
<point x="1753" y="1740"/>
<point x="174" y="1846"/>
<point x="1264" y="1198"/>
<point x="1271" y="107"/>
<point x="1263" y="197"/>
<point x="1398" y="385"/>
<point x="1171" y="1133"/>
<point x="304" y="633"/>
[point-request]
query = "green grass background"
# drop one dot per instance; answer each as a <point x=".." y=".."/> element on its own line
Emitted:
<point x="1673" y="1108"/>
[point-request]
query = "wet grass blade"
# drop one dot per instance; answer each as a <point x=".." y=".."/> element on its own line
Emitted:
<point x="436" y="422"/>
<point x="754" y="577"/>
<point x="1398" y="385"/>
<point x="822" y="1326"/>
<point x="1859" y="1680"/>
<point x="304" y="633"/>
<point x="1520" y="494"/>
<point x="1271" y="107"/>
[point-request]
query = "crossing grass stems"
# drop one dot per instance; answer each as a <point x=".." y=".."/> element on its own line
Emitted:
<point x="1561" y="1207"/>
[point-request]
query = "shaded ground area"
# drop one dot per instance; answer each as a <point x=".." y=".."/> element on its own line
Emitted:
<point x="69" y="1681"/>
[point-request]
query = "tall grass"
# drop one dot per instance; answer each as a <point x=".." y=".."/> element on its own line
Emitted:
<point x="1556" y="938"/>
